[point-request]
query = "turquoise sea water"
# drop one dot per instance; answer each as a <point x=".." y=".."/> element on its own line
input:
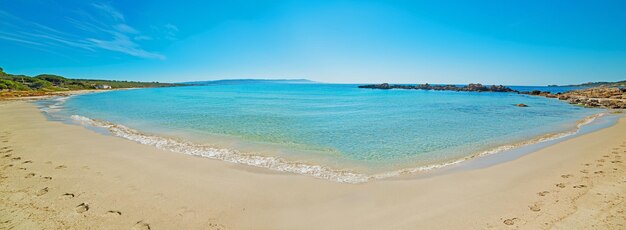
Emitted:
<point x="340" y="128"/>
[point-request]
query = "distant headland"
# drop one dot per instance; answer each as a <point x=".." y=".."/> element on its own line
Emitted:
<point x="249" y="81"/>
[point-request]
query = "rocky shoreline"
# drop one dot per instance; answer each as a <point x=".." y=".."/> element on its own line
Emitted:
<point x="597" y="97"/>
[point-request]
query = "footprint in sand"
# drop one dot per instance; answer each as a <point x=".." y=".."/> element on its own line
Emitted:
<point x="580" y="186"/>
<point x="42" y="191"/>
<point x="601" y="160"/>
<point x="113" y="212"/>
<point x="16" y="158"/>
<point x="7" y="155"/>
<point x="47" y="177"/>
<point x="510" y="221"/>
<point x="584" y="171"/>
<point x="615" y="162"/>
<point x="27" y="162"/>
<point x="67" y="196"/>
<point x="534" y="208"/>
<point x="560" y="185"/>
<point x="214" y="226"/>
<point x="598" y="172"/>
<point x="29" y="175"/>
<point x="82" y="208"/>
<point x="8" y="166"/>
<point x="61" y="167"/>
<point x="544" y="193"/>
<point x="567" y="175"/>
<point x="140" y="225"/>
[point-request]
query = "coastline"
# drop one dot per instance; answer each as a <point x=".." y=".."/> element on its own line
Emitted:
<point x="313" y="169"/>
<point x="576" y="183"/>
<point x="69" y="93"/>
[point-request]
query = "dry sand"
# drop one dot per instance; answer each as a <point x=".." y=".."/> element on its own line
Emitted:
<point x="60" y="176"/>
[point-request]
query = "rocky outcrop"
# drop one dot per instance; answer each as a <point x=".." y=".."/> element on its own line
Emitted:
<point x="599" y="97"/>
<point x="469" y="88"/>
<point x="603" y="97"/>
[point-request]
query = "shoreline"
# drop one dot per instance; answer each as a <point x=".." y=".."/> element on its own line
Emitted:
<point x="316" y="169"/>
<point x="49" y="95"/>
<point x="576" y="183"/>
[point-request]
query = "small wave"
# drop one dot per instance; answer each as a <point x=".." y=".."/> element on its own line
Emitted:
<point x="278" y="164"/>
<point x="54" y="104"/>
<point x="499" y="149"/>
<point x="228" y="155"/>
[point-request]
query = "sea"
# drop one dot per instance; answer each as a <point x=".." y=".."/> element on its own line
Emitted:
<point x="337" y="132"/>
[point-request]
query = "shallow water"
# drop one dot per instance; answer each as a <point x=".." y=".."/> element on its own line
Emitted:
<point x="337" y="126"/>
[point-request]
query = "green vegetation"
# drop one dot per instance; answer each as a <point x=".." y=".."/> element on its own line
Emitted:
<point x="49" y="83"/>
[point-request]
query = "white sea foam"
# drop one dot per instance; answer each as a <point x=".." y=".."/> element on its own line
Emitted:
<point x="56" y="104"/>
<point x="499" y="149"/>
<point x="278" y="164"/>
<point x="228" y="155"/>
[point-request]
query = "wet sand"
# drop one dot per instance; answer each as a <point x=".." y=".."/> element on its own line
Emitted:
<point x="60" y="176"/>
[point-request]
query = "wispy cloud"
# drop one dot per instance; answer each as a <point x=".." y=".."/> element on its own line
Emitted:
<point x="109" y="10"/>
<point x="103" y="28"/>
<point x="122" y="43"/>
<point x="167" y="31"/>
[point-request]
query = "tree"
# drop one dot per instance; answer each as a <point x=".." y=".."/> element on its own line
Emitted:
<point x="54" y="79"/>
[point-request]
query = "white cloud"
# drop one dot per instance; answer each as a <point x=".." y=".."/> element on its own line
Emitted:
<point x="171" y="27"/>
<point x="109" y="10"/>
<point x="103" y="28"/>
<point x="122" y="43"/>
<point x="126" y="29"/>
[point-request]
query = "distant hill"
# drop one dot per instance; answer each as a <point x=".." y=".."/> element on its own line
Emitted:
<point x="50" y="83"/>
<point x="620" y="84"/>
<point x="249" y="81"/>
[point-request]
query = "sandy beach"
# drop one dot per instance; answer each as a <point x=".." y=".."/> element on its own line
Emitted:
<point x="59" y="176"/>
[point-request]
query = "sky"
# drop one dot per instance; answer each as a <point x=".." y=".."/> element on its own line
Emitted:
<point x="490" y="42"/>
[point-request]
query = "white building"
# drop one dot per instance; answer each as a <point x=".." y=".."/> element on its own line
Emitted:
<point x="103" y="87"/>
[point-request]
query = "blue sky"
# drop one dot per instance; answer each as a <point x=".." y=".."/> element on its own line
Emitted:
<point x="492" y="42"/>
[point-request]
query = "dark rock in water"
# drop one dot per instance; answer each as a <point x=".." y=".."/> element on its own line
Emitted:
<point x="469" y="88"/>
<point x="521" y="105"/>
<point x="476" y="87"/>
<point x="499" y="88"/>
<point x="380" y="86"/>
<point x="551" y="95"/>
